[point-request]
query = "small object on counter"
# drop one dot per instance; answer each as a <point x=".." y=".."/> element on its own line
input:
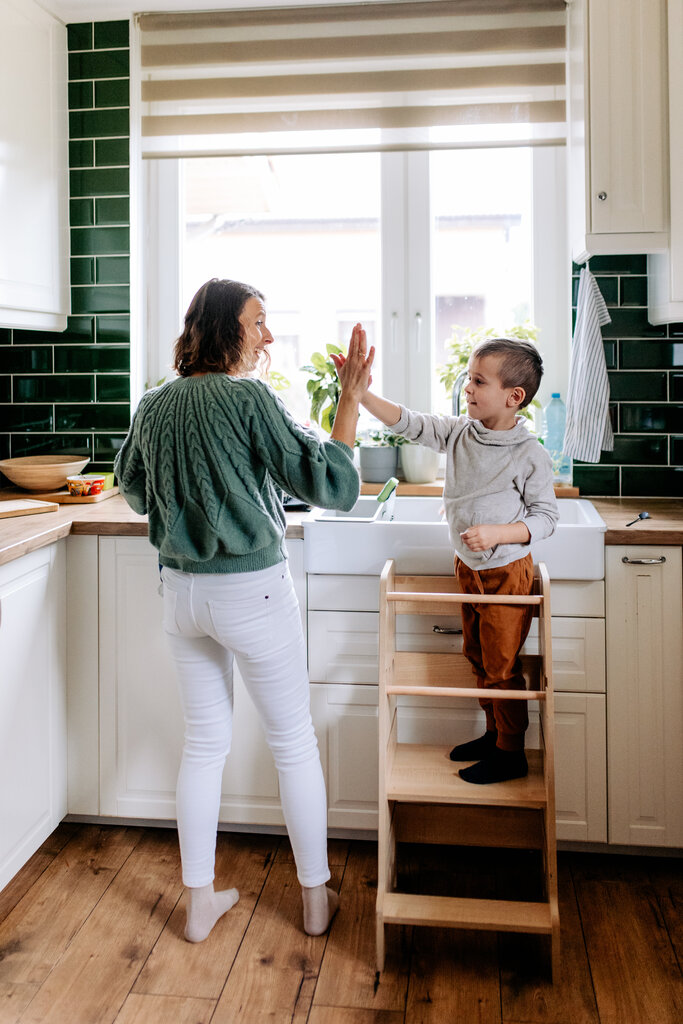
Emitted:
<point x="41" y="472"/>
<point x="641" y="515"/>
<point x="85" y="484"/>
<point x="25" y="507"/>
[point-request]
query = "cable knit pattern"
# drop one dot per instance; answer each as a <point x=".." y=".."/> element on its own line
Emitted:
<point x="207" y="459"/>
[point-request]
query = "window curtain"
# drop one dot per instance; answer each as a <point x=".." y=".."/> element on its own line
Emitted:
<point x="414" y="75"/>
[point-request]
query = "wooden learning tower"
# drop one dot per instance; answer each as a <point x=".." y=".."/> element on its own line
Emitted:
<point x="422" y="799"/>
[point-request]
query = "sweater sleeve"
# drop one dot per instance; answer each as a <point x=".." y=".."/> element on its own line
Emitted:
<point x="130" y="469"/>
<point x="424" y="428"/>
<point x="542" y="513"/>
<point x="318" y="472"/>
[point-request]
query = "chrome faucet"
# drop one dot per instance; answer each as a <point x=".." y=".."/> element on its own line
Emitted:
<point x="457" y="391"/>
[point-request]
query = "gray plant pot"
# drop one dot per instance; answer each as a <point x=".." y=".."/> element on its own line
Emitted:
<point x="377" y="463"/>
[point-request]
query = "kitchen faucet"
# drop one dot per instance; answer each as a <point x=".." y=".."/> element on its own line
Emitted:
<point x="457" y="391"/>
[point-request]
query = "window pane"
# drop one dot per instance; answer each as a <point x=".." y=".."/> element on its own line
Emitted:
<point x="304" y="230"/>
<point x="482" y="269"/>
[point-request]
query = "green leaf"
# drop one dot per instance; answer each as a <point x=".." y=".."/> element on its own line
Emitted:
<point x="327" y="418"/>
<point x="319" y="362"/>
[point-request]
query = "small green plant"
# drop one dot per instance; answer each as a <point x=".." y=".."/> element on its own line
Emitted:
<point x="381" y="437"/>
<point x="323" y="386"/>
<point x="465" y="339"/>
<point x="278" y="381"/>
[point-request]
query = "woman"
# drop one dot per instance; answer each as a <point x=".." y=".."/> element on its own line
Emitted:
<point x="206" y="459"/>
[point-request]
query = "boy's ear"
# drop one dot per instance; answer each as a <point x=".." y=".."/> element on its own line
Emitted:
<point x="516" y="397"/>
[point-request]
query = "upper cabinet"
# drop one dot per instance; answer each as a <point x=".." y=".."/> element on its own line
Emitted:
<point x="34" y="188"/>
<point x="618" y="147"/>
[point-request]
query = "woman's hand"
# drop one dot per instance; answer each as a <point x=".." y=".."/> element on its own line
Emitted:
<point x="354" y="369"/>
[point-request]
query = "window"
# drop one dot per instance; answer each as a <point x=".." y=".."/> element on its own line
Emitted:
<point x="411" y="244"/>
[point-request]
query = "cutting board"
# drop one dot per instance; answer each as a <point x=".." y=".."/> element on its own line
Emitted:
<point x="26" y="507"/>
<point x="62" y="497"/>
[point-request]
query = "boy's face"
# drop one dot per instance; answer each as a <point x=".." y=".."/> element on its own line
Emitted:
<point x="487" y="400"/>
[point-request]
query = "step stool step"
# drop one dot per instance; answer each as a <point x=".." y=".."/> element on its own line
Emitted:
<point x="457" y="912"/>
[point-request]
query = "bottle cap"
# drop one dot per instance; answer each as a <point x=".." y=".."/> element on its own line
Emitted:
<point x="555" y="394"/>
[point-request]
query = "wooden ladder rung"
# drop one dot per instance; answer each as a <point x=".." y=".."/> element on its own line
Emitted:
<point x="459" y="912"/>
<point x="465" y="691"/>
<point x="416" y="598"/>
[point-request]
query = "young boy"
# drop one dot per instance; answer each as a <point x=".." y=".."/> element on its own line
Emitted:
<point x="498" y="497"/>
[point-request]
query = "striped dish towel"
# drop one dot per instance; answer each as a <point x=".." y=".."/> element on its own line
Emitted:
<point x="588" y="430"/>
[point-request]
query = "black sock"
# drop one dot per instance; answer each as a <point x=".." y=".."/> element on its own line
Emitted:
<point x="497" y="767"/>
<point x="484" y="746"/>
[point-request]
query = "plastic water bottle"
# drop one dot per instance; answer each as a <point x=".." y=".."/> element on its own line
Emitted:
<point x="555" y="417"/>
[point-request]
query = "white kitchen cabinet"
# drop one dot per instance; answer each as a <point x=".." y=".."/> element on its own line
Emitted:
<point x="34" y="187"/>
<point x="32" y="703"/>
<point x="618" y="145"/>
<point x="665" y="270"/>
<point x="140" y="718"/>
<point x="645" y="695"/>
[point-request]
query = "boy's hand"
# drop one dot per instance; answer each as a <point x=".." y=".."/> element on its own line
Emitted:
<point x="487" y="535"/>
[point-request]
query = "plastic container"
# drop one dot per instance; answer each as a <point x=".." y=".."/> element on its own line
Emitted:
<point x="554" y="420"/>
<point x="81" y="486"/>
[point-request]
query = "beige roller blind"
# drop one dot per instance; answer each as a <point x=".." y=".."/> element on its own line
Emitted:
<point x="413" y="75"/>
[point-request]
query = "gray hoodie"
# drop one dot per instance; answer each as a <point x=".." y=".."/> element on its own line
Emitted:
<point x="492" y="476"/>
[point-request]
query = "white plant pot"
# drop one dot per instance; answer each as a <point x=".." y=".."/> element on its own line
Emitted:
<point x="377" y="463"/>
<point x="420" y="464"/>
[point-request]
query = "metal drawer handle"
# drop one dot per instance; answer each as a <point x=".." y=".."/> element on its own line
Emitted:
<point x="644" y="561"/>
<point x="446" y="629"/>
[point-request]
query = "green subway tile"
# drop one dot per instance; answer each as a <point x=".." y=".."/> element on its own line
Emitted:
<point x="83" y="271"/>
<point x="676" y="387"/>
<point x="633" y="291"/>
<point x="82" y="153"/>
<point x="112" y="388"/>
<point x="112" y="92"/>
<point x="645" y="355"/>
<point x="653" y="482"/>
<point x="677" y="451"/>
<point x="113" y="270"/>
<point x="81" y="95"/>
<point x="644" y="451"/>
<point x="99" y="64"/>
<point x="609" y="289"/>
<point x="110" y="34"/>
<point x="92" y="359"/>
<point x="81" y="212"/>
<point x="63" y="444"/>
<point x="79" y="36"/>
<point x="112" y="152"/>
<point x="113" y="329"/>
<point x="56" y="388"/>
<point x="628" y="322"/>
<point x="98" y="124"/>
<point x="596" y="481"/>
<point x="576" y="268"/>
<point x="660" y="419"/>
<point x="100" y="241"/>
<point x="107" y="181"/>
<point x="4" y="451"/>
<point x="25" y="359"/>
<point x="26" y="417"/>
<point x="5" y="336"/>
<point x="5" y="389"/>
<point x="78" y="329"/>
<point x="637" y="386"/>
<point x="610" y="348"/>
<point x="92" y="417"/>
<point x="100" y="299"/>
<point x="107" y="447"/>
<point x="675" y="330"/>
<point x="617" y="264"/>
<point x="112" y="211"/>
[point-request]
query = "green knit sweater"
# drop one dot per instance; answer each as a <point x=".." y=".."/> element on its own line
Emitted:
<point x="206" y="458"/>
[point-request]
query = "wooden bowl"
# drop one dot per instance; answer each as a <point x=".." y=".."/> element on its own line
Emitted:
<point x="41" y="472"/>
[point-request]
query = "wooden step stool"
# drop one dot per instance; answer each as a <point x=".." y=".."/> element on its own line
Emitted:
<point x="422" y="799"/>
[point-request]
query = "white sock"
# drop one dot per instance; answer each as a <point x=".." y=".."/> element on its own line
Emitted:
<point x="320" y="906"/>
<point x="204" y="908"/>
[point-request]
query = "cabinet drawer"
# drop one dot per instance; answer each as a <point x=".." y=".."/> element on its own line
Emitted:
<point x="578" y="653"/>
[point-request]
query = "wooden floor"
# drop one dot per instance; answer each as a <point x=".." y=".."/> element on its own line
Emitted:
<point x="91" y="931"/>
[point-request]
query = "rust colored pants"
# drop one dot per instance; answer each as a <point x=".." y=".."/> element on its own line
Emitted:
<point x="493" y="635"/>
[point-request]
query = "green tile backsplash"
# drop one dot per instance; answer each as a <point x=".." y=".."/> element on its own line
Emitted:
<point x="70" y="392"/>
<point x="646" y="392"/>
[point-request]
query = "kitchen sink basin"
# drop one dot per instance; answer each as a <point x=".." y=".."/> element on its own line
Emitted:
<point x="417" y="539"/>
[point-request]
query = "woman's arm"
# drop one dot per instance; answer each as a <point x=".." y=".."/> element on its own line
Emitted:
<point x="388" y="412"/>
<point x="355" y="383"/>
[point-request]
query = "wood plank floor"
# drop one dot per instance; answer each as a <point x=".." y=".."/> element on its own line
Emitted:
<point x="91" y="933"/>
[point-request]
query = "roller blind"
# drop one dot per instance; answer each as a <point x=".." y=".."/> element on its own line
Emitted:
<point x="353" y="77"/>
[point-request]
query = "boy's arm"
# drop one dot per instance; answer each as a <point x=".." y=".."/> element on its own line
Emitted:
<point x="388" y="412"/>
<point x="487" y="535"/>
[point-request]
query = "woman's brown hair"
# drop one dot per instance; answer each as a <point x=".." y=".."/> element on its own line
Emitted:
<point x="211" y="341"/>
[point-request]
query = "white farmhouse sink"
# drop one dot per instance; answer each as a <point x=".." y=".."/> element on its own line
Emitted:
<point x="417" y="539"/>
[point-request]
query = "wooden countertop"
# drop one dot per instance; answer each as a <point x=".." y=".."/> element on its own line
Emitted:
<point x="113" y="517"/>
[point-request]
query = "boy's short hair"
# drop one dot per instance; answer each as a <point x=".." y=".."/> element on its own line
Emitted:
<point x="520" y="363"/>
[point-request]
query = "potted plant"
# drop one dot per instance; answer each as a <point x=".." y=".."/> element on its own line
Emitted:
<point x="378" y="454"/>
<point x="420" y="465"/>
<point x="323" y="386"/>
<point x="453" y="373"/>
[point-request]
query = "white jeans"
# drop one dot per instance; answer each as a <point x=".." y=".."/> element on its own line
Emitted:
<point x="253" y="617"/>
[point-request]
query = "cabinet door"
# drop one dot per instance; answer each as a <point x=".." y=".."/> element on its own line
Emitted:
<point x="141" y="725"/>
<point x="32" y="704"/>
<point x="645" y="695"/>
<point x="580" y="767"/>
